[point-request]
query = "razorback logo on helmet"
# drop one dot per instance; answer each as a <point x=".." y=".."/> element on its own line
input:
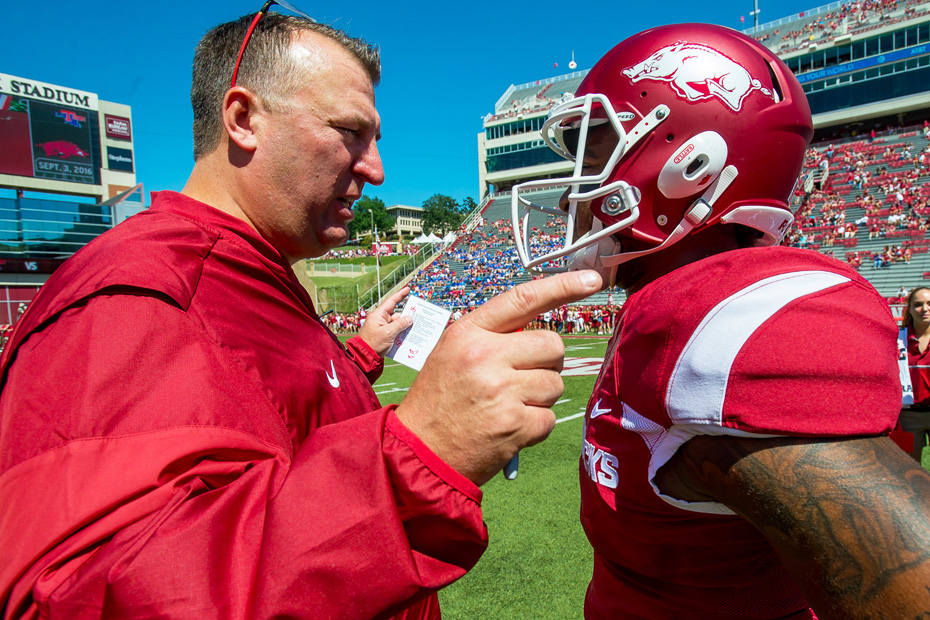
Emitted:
<point x="697" y="72"/>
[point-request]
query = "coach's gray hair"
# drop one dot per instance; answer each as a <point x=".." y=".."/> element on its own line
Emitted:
<point x="266" y="69"/>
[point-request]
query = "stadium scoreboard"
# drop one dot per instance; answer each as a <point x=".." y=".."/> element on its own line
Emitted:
<point x="61" y="139"/>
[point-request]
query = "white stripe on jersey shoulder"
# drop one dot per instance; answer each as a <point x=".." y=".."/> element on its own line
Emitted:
<point x="698" y="384"/>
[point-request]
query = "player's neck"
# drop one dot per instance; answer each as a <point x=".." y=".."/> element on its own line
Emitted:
<point x="636" y="274"/>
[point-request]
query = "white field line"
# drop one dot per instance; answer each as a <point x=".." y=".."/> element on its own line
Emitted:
<point x="392" y="390"/>
<point x="580" y="414"/>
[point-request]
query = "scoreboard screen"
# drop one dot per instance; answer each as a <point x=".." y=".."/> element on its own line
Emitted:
<point x="48" y="132"/>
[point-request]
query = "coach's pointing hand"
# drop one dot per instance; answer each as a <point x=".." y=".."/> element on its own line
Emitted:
<point x="486" y="390"/>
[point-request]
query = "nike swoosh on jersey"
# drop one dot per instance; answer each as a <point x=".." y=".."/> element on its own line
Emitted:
<point x="597" y="411"/>
<point x="333" y="380"/>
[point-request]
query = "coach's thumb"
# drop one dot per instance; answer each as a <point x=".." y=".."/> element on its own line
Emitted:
<point x="398" y="324"/>
<point x="521" y="304"/>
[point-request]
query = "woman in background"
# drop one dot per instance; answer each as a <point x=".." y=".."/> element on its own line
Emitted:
<point x="916" y="418"/>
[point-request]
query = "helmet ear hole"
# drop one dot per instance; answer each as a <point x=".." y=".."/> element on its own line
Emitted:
<point x="693" y="166"/>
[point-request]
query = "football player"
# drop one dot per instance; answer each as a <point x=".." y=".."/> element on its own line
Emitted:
<point x="735" y="462"/>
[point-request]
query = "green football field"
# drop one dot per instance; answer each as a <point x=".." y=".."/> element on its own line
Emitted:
<point x="538" y="562"/>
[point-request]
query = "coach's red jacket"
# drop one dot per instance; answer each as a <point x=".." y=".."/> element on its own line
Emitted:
<point x="180" y="437"/>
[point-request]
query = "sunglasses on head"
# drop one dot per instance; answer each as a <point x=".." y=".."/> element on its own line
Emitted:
<point x="258" y="17"/>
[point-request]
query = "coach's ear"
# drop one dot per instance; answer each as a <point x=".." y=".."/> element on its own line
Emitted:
<point x="242" y="116"/>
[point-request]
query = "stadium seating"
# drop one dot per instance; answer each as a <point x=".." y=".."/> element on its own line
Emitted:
<point x="536" y="96"/>
<point x="878" y="189"/>
<point x="821" y="26"/>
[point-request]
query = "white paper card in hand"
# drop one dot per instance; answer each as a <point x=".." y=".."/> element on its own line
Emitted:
<point x="413" y="345"/>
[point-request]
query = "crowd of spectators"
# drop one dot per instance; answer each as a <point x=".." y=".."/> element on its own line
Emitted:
<point x="6" y="329"/>
<point x="883" y="179"/>
<point x="441" y="284"/>
<point x="340" y="323"/>
<point x="354" y="252"/>
<point x="889" y="255"/>
<point x="489" y="264"/>
<point x="538" y="101"/>
<point x="358" y="252"/>
<point x="850" y="18"/>
<point x="579" y="319"/>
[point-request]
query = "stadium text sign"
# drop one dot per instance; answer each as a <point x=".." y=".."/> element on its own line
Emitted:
<point x="12" y="85"/>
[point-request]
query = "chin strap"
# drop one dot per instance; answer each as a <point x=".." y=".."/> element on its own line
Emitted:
<point x="697" y="214"/>
<point x="590" y="257"/>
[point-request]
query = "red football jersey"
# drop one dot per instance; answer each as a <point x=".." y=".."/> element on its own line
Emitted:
<point x="760" y="342"/>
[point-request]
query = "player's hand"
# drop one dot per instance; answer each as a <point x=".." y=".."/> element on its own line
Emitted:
<point x="382" y="325"/>
<point x="486" y="391"/>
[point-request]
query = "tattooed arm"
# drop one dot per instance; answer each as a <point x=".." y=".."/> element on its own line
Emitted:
<point x="849" y="518"/>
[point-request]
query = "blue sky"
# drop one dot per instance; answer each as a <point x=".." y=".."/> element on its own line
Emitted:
<point x="444" y="66"/>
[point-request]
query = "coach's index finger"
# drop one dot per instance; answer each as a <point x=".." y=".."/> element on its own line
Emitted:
<point x="521" y="304"/>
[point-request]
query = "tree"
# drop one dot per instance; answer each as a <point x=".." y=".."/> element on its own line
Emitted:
<point x="364" y="209"/>
<point x="468" y="205"/>
<point x="441" y="214"/>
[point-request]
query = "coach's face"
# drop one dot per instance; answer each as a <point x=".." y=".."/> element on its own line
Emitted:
<point x="319" y="152"/>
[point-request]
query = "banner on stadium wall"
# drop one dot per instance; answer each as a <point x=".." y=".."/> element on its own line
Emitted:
<point x="382" y="248"/>
<point x="118" y="127"/>
<point x="119" y="159"/>
<point x="897" y="311"/>
<point x="36" y="265"/>
<point x="865" y="63"/>
<point x="48" y="131"/>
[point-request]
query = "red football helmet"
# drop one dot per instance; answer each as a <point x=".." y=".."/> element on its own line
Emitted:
<point x="676" y="128"/>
